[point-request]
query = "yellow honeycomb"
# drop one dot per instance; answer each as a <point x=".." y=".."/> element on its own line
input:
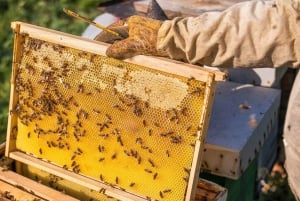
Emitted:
<point x="126" y="125"/>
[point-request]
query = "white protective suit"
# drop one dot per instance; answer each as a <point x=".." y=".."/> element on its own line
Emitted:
<point x="248" y="34"/>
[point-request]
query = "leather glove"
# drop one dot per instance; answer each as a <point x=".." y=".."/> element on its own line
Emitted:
<point x="119" y="27"/>
<point x="142" y="39"/>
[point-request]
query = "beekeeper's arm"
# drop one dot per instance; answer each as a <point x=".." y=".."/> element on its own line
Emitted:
<point x="248" y="34"/>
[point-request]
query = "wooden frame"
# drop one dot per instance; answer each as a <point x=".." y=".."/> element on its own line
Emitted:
<point x="95" y="47"/>
<point x="28" y="189"/>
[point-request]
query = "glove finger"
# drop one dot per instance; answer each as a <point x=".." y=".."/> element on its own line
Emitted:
<point x="124" y="49"/>
<point x="120" y="27"/>
<point x="110" y="38"/>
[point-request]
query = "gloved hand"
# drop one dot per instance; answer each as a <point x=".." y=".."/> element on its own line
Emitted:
<point x="119" y="27"/>
<point x="142" y="39"/>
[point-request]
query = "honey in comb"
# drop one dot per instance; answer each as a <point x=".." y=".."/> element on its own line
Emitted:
<point x="107" y="119"/>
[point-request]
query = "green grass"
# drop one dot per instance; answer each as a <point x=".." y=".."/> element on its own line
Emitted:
<point x="44" y="13"/>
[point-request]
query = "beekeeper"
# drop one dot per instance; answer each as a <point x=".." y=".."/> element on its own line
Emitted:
<point x="248" y="34"/>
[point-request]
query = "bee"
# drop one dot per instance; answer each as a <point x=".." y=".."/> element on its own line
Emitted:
<point x="148" y="171"/>
<point x="96" y="111"/>
<point x="161" y="194"/>
<point x="117" y="180"/>
<point x="189" y="128"/>
<point x="186" y="170"/>
<point x="151" y="162"/>
<point x="101" y="177"/>
<point x="199" y="128"/>
<point x="83" y="67"/>
<point x="75" y="104"/>
<point x="114" y="82"/>
<point x="102" y="190"/>
<point x="155" y="175"/>
<point x="82" y="54"/>
<point x="115" y="91"/>
<point x="156" y="124"/>
<point x="101" y="159"/>
<point x="168" y="153"/>
<point x="146" y="104"/>
<point x="108" y="116"/>
<point x="144" y="123"/>
<point x="139" y="160"/>
<point x="118" y="107"/>
<point x="190" y="78"/>
<point x="73" y="164"/>
<point x="79" y="151"/>
<point x="28" y="135"/>
<point x="97" y="90"/>
<point x="30" y="69"/>
<point x="80" y="88"/>
<point x="144" y="147"/>
<point x="197" y="91"/>
<point x="41" y="151"/>
<point x="137" y="111"/>
<point x="49" y="144"/>
<point x="139" y="140"/>
<point x="120" y="66"/>
<point x="150" y="131"/>
<point x="101" y="148"/>
<point x="92" y="58"/>
<point x="119" y="139"/>
<point x="53" y="144"/>
<point x="167" y="191"/>
<point x="131" y="184"/>
<point x="114" y="156"/>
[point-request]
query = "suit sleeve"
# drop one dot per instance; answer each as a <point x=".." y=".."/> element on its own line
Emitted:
<point x="248" y="34"/>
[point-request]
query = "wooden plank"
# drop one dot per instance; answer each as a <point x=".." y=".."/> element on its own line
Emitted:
<point x="16" y="193"/>
<point x="73" y="177"/>
<point x="2" y="148"/>
<point x="163" y="64"/>
<point x="196" y="164"/>
<point x="209" y="191"/>
<point x="32" y="186"/>
<point x="11" y="140"/>
<point x="174" y="8"/>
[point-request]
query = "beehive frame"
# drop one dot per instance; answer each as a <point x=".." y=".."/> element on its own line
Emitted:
<point x="175" y="81"/>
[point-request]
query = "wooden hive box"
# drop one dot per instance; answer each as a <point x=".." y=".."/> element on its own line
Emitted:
<point x="132" y="129"/>
<point x="34" y="186"/>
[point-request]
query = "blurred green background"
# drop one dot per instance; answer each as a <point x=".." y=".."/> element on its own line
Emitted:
<point x="46" y="13"/>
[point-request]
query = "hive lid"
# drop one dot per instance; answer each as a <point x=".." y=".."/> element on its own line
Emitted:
<point x="128" y="129"/>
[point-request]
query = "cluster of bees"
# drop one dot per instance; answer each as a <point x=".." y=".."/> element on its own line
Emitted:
<point x="92" y="126"/>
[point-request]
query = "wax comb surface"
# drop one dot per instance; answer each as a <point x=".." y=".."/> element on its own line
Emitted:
<point x="126" y="125"/>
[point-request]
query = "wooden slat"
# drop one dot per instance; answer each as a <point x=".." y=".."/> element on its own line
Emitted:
<point x="13" y="100"/>
<point x="2" y="148"/>
<point x="174" y="8"/>
<point x="163" y="64"/>
<point x="32" y="186"/>
<point x="16" y="193"/>
<point x="73" y="177"/>
<point x="210" y="191"/>
<point x="198" y="154"/>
